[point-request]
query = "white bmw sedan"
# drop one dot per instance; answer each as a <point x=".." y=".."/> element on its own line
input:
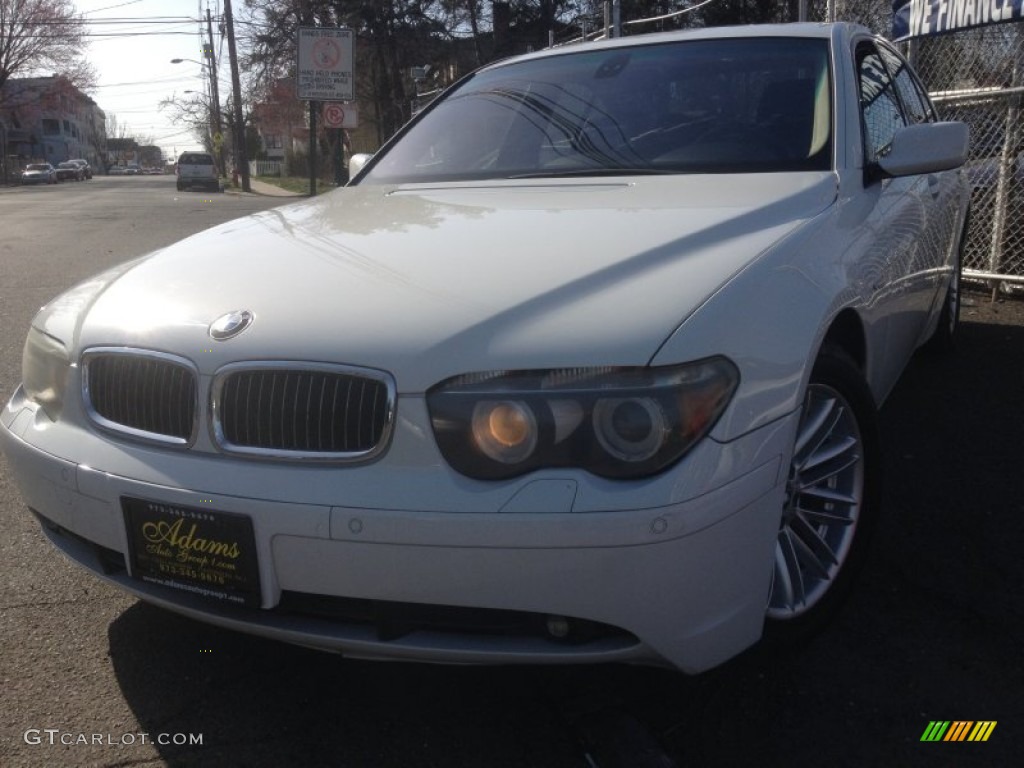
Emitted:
<point x="583" y="365"/>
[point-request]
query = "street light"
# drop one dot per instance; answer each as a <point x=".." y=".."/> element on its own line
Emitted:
<point x="218" y="140"/>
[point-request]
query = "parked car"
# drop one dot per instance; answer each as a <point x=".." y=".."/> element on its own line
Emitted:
<point x="117" y="170"/>
<point x="131" y="169"/>
<point x="584" y="365"/>
<point x="984" y="173"/>
<point x="39" y="173"/>
<point x="84" y="165"/>
<point x="197" y="169"/>
<point x="69" y="171"/>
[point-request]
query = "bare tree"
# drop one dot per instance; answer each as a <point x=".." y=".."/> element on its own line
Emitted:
<point x="194" y="113"/>
<point x="43" y="36"/>
<point x="114" y="128"/>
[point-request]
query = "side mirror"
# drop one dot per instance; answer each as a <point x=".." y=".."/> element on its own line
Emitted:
<point x="926" y="148"/>
<point x="356" y="163"/>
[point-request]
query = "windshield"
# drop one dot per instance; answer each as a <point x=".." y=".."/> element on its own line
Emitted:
<point x="708" y="106"/>
<point x="37" y="168"/>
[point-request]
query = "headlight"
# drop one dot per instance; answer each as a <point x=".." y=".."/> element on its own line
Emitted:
<point x="44" y="370"/>
<point x="505" y="430"/>
<point x="614" y="422"/>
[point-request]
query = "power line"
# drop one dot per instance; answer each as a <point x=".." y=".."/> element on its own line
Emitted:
<point x="106" y="20"/>
<point x="112" y="7"/>
<point x="149" y="82"/>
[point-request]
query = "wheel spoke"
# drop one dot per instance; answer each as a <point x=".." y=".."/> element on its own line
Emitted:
<point x="813" y="550"/>
<point x="789" y="579"/>
<point x="817" y="516"/>
<point x="832" y="466"/>
<point x="817" y="426"/>
<point x="830" y="495"/>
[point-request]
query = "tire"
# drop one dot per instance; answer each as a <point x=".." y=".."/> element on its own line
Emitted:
<point x="943" y="339"/>
<point x="831" y="502"/>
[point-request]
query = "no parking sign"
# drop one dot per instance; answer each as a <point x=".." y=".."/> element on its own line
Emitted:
<point x="337" y="115"/>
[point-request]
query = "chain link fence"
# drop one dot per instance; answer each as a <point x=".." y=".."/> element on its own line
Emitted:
<point x="975" y="76"/>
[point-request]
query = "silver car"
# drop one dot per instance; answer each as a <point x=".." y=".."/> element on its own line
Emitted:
<point x="39" y="173"/>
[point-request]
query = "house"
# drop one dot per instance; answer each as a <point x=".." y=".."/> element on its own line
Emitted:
<point x="151" y="156"/>
<point x="282" y="123"/>
<point x="122" y="152"/>
<point x="48" y="119"/>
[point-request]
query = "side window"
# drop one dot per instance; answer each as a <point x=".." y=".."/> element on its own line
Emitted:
<point x="917" y="106"/>
<point x="879" y="105"/>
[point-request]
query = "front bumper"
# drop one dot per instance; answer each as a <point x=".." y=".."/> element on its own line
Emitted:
<point x="683" y="583"/>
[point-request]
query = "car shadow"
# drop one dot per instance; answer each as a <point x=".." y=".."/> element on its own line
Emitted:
<point x="260" y="702"/>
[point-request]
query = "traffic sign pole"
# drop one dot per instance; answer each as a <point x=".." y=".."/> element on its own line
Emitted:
<point x="313" y="109"/>
<point x="339" y="167"/>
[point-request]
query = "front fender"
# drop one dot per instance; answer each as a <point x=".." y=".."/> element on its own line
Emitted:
<point x="770" y="320"/>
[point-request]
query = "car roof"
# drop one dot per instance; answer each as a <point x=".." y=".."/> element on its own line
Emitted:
<point x="810" y="30"/>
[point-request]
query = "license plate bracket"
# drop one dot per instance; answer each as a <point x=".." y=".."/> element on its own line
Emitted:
<point x="204" y="552"/>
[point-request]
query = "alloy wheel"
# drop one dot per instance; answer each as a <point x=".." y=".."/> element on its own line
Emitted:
<point x="824" y="498"/>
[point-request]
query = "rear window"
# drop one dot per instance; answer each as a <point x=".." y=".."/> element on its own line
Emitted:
<point x="196" y="160"/>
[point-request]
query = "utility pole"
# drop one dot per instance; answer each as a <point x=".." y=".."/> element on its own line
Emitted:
<point x="241" y="156"/>
<point x="215" y="95"/>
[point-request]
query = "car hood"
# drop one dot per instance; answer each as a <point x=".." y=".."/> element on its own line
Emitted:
<point x="429" y="282"/>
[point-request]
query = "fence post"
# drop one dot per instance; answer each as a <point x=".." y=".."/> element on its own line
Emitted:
<point x="1007" y="162"/>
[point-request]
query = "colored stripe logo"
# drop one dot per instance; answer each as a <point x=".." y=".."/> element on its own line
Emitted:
<point x="958" y="730"/>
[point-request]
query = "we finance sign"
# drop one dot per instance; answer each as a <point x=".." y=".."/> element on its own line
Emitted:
<point x="919" y="18"/>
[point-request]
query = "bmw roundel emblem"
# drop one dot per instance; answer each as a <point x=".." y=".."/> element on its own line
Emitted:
<point x="230" y="325"/>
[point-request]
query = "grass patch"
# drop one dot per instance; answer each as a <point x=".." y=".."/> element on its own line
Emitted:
<point x="298" y="184"/>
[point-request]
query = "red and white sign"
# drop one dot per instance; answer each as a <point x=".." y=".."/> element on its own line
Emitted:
<point x="326" y="65"/>
<point x="341" y="116"/>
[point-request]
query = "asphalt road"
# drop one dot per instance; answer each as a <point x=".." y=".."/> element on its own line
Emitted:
<point x="934" y="630"/>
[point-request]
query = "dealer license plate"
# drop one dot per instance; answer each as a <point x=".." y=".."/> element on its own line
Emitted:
<point x="201" y="551"/>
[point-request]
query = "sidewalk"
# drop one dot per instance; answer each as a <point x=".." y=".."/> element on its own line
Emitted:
<point x="270" y="190"/>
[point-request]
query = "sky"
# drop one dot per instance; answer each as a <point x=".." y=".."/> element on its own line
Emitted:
<point x="132" y="59"/>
